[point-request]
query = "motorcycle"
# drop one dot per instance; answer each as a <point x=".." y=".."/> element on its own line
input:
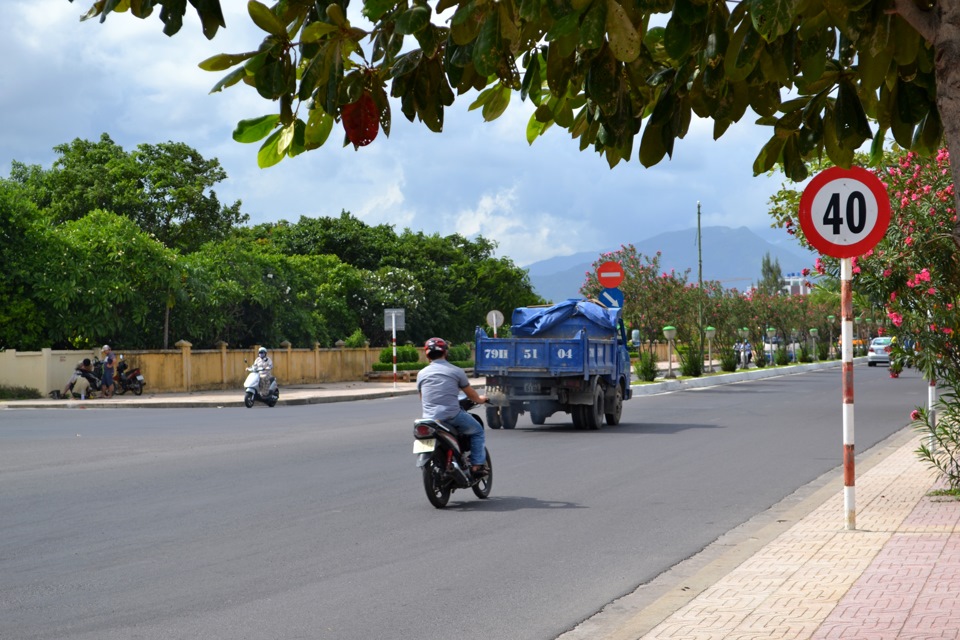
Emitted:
<point x="443" y="457"/>
<point x="128" y="380"/>
<point x="260" y="387"/>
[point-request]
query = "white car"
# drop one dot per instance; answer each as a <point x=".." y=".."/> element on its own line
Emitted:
<point x="879" y="351"/>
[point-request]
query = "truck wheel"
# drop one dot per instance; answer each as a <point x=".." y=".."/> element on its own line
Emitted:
<point x="613" y="418"/>
<point x="493" y="417"/>
<point x="578" y="421"/>
<point x="508" y="417"/>
<point x="537" y="418"/>
<point x="593" y="414"/>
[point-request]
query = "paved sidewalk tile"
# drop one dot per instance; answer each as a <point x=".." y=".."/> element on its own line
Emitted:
<point x="893" y="577"/>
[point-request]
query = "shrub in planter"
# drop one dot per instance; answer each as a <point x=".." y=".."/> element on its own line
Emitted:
<point x="728" y="359"/>
<point x="459" y="353"/>
<point x="823" y="350"/>
<point x="405" y="353"/>
<point x="645" y="366"/>
<point x="781" y="357"/>
<point x="691" y="360"/>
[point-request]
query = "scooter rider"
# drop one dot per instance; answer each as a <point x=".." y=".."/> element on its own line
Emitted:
<point x="439" y="384"/>
<point x="264" y="363"/>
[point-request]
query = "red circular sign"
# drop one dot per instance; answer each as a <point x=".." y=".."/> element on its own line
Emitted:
<point x="610" y="274"/>
<point x="844" y="212"/>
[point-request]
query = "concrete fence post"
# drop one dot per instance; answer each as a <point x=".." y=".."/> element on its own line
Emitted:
<point x="287" y="360"/>
<point x="223" y="363"/>
<point x="185" y="355"/>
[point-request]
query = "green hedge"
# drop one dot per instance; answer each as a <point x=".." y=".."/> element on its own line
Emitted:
<point x="414" y="366"/>
<point x="405" y="353"/>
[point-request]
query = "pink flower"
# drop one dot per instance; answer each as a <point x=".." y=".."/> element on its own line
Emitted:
<point x="914" y="415"/>
<point x="924" y="275"/>
<point x="895" y="318"/>
<point x="887" y="273"/>
<point x="805" y="272"/>
<point x="931" y="291"/>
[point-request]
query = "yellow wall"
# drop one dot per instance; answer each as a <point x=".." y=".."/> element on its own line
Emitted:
<point x="186" y="369"/>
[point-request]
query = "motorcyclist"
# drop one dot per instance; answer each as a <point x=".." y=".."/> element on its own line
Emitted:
<point x="83" y="369"/>
<point x="440" y="384"/>
<point x="265" y="365"/>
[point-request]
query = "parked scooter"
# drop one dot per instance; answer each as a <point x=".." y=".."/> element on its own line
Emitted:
<point x="131" y="380"/>
<point x="260" y="386"/>
<point x="444" y="458"/>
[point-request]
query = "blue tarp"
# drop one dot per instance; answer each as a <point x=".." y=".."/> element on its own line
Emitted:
<point x="532" y="321"/>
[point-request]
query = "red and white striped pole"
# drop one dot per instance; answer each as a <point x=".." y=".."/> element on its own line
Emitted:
<point x="846" y="341"/>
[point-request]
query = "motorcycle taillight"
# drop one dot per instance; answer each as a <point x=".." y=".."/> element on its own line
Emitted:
<point x="423" y="431"/>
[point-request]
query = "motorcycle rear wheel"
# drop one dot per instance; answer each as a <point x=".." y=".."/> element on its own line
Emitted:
<point x="482" y="488"/>
<point x="137" y="388"/>
<point x="437" y="493"/>
<point x="248" y="399"/>
<point x="119" y="389"/>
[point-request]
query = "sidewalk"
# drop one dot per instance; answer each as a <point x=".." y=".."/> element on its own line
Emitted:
<point x="793" y="572"/>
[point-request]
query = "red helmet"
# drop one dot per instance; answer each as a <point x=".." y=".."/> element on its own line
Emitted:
<point x="435" y="345"/>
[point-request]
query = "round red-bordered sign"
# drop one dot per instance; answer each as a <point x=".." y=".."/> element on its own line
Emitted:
<point x="610" y="274"/>
<point x="844" y="212"/>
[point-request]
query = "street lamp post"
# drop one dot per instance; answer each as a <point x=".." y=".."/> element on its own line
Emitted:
<point x="670" y="333"/>
<point x="793" y="343"/>
<point x="771" y="332"/>
<point x="813" y="334"/>
<point x="710" y="332"/>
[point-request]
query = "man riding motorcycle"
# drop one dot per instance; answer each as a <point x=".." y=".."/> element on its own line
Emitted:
<point x="440" y="384"/>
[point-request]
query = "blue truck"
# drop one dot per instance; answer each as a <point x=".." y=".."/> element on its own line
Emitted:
<point x="570" y="357"/>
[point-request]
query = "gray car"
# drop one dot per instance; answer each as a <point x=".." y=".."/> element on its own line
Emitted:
<point x="879" y="351"/>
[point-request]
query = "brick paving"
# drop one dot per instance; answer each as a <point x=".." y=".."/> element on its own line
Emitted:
<point x="897" y="576"/>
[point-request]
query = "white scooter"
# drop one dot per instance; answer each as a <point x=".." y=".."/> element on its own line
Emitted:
<point x="262" y="386"/>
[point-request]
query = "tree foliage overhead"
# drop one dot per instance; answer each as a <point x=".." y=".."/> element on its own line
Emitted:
<point x="816" y="72"/>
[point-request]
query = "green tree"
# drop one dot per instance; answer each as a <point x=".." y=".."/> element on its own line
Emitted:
<point x="815" y="72"/>
<point x="109" y="283"/>
<point x="23" y="238"/>
<point x="771" y="276"/>
<point x="167" y="189"/>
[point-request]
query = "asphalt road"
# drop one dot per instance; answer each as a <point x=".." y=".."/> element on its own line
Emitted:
<point x="311" y="522"/>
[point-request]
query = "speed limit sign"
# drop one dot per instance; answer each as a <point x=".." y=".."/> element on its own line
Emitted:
<point x="844" y="212"/>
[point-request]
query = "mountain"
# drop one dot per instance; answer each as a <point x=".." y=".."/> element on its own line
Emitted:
<point x="732" y="256"/>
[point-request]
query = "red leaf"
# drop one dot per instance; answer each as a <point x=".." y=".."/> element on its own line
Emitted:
<point x="361" y="120"/>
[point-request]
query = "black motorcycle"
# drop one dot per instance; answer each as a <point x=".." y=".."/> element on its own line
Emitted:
<point x="444" y="458"/>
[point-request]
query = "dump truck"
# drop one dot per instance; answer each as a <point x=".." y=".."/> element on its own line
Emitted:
<point x="570" y="357"/>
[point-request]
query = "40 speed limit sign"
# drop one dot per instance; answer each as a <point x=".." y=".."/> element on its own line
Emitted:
<point x="844" y="212"/>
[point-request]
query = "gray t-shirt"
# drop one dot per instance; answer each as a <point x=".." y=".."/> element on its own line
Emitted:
<point x="439" y="384"/>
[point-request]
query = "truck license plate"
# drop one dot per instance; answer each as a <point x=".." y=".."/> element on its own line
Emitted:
<point x="531" y="387"/>
<point x="424" y="446"/>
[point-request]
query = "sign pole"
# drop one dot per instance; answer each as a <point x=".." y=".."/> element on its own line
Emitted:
<point x="846" y="341"/>
<point x="393" y="340"/>
<point x="844" y="213"/>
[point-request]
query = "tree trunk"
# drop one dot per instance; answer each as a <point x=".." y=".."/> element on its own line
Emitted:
<point x="940" y="26"/>
<point x="947" y="59"/>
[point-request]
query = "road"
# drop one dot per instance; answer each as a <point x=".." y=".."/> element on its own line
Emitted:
<point x="310" y="521"/>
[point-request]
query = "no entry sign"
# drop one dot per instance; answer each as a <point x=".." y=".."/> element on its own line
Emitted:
<point x="844" y="212"/>
<point x="610" y="274"/>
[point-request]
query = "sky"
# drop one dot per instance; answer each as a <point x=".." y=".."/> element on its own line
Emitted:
<point x="66" y="79"/>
